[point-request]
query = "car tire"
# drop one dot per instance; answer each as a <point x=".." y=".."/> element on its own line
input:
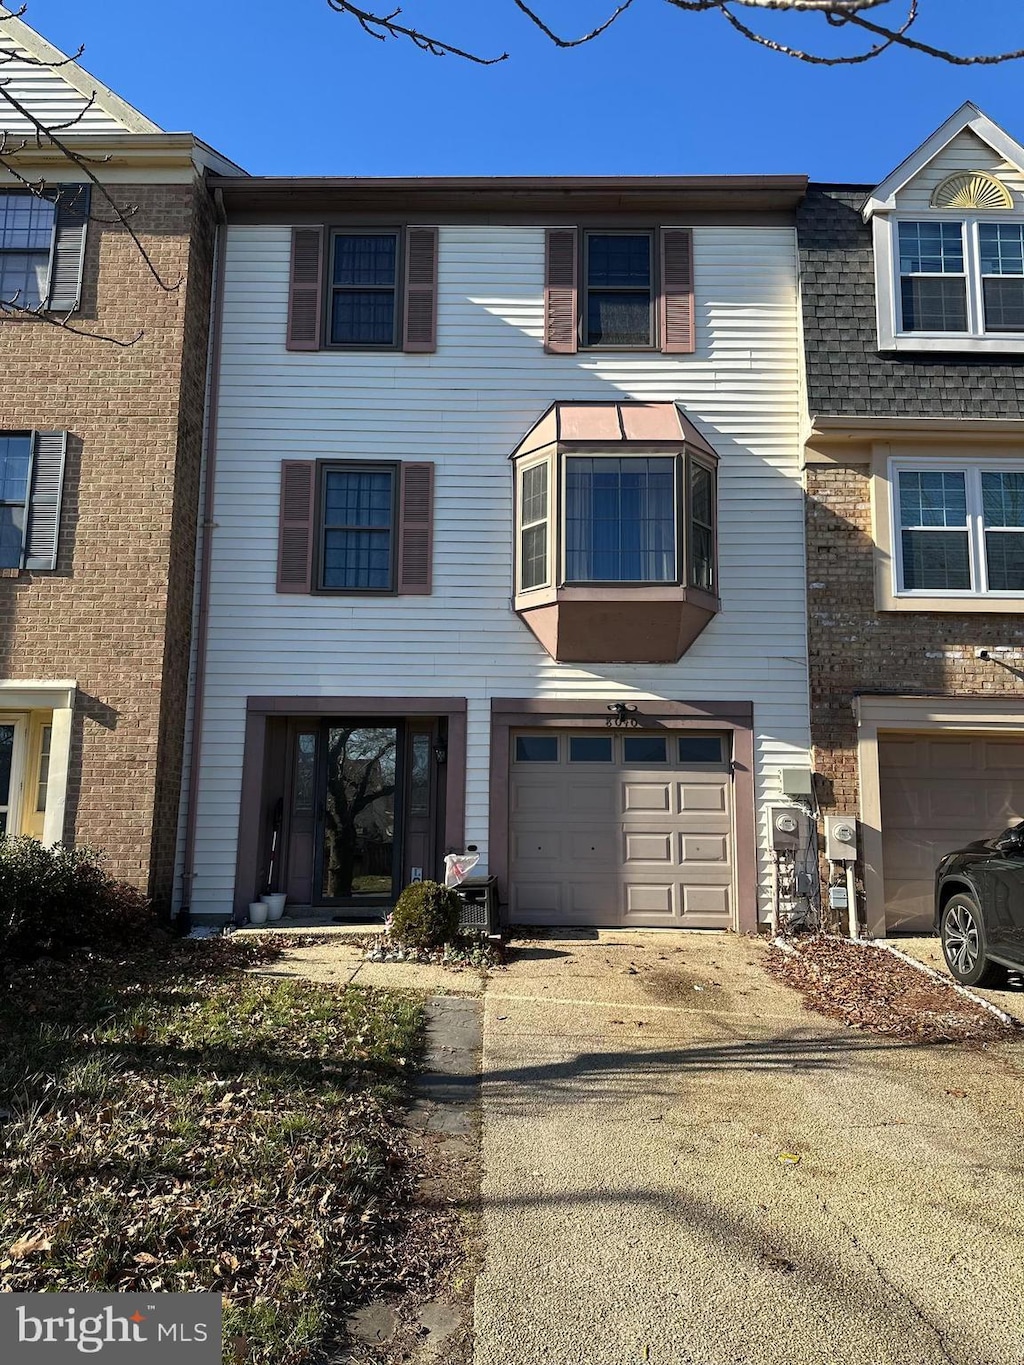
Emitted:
<point x="965" y="946"/>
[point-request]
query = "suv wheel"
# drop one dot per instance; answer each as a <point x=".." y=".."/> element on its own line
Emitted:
<point x="964" y="945"/>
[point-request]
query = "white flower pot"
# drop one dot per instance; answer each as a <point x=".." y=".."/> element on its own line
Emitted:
<point x="274" y="901"/>
<point x="257" y="912"/>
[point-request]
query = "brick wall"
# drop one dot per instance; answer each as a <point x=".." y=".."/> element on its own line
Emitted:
<point x="853" y="648"/>
<point x="115" y="614"/>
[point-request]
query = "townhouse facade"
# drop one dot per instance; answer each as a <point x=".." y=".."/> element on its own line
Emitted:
<point x="506" y="546"/>
<point x="100" y="452"/>
<point x="913" y="314"/>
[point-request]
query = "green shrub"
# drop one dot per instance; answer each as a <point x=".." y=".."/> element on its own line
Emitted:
<point x="59" y="896"/>
<point x="426" y="915"/>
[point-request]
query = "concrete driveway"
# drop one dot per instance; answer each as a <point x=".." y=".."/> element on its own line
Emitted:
<point x="683" y="1166"/>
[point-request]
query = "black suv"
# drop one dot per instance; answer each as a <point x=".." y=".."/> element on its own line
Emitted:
<point x="979" y="908"/>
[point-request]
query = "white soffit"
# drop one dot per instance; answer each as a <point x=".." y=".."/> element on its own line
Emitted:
<point x="883" y="198"/>
<point x="57" y="93"/>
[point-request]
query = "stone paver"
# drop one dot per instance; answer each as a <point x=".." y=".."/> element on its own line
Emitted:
<point x="683" y="1166"/>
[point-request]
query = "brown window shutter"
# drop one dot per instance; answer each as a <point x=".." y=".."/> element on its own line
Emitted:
<point x="419" y="328"/>
<point x="305" y="289"/>
<point x="416" y="529"/>
<point x="560" y="291"/>
<point x="298" y="518"/>
<point x="677" y="321"/>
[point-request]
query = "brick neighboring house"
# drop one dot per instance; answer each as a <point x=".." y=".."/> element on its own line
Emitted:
<point x="100" y="453"/>
<point x="913" y="304"/>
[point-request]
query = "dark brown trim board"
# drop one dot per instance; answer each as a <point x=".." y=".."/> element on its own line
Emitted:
<point x="259" y="709"/>
<point x="508" y="713"/>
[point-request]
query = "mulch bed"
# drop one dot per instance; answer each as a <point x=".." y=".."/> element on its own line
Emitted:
<point x="869" y="988"/>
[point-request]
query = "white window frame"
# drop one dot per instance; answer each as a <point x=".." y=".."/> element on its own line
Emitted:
<point x="891" y="336"/>
<point x="10" y="193"/>
<point x="977" y="558"/>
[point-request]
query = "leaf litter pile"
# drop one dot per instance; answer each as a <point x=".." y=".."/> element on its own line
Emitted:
<point x="869" y="988"/>
<point x="169" y="1122"/>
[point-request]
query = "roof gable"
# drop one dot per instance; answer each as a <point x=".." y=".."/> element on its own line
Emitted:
<point x="57" y="96"/>
<point x="968" y="120"/>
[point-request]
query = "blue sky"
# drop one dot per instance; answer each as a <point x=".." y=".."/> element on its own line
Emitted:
<point x="288" y="87"/>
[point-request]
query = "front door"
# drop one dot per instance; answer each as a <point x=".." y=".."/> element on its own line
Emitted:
<point x="12" y="761"/>
<point x="358" y="837"/>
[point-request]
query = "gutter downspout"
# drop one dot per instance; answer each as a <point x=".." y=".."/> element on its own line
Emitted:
<point x="206" y="557"/>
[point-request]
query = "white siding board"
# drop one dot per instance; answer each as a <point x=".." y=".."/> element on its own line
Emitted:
<point x="50" y="98"/>
<point x="465" y="407"/>
<point x="966" y="152"/>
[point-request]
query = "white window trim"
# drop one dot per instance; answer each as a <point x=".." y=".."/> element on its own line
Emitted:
<point x="975" y="528"/>
<point x="11" y="193"/>
<point x="887" y="287"/>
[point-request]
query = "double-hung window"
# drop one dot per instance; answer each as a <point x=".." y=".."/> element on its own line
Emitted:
<point x="358" y="544"/>
<point x="962" y="280"/>
<point x="619" y="289"/>
<point x="26" y="240"/>
<point x="15" y="469"/>
<point x="959" y="529"/>
<point x="364" y="289"/>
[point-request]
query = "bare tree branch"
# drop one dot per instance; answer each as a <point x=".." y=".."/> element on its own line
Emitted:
<point x="837" y="13"/>
<point x="11" y="306"/>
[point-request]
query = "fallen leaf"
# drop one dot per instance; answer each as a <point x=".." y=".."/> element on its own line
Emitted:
<point x="28" y="1246"/>
<point x="146" y="1258"/>
<point x="957" y="1094"/>
<point x="789" y="1159"/>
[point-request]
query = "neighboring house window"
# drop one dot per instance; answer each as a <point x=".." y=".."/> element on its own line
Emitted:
<point x="31" y="484"/>
<point x="15" y="466"/>
<point x="618" y="307"/>
<point x="42" y="248"/>
<point x="960" y="530"/>
<point x="26" y="240"/>
<point x="358" y="524"/>
<point x="963" y="281"/>
<point x="628" y="519"/>
<point x="355" y="527"/>
<point x="364" y="280"/>
<point x="370" y="289"/>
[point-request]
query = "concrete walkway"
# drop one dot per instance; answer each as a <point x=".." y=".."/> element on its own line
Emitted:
<point x="682" y="1166"/>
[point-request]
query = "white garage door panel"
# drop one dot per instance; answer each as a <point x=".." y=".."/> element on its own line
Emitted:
<point x="614" y="844"/>
<point x="937" y="794"/>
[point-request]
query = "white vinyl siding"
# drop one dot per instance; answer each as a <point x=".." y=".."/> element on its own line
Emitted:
<point x="465" y="407"/>
<point x="966" y="152"/>
<point x="49" y="96"/>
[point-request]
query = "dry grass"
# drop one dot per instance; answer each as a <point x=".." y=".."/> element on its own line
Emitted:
<point x="170" y="1122"/>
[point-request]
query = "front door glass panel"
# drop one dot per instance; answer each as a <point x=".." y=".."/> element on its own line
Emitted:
<point x="359" y="838"/>
<point x="7" y="734"/>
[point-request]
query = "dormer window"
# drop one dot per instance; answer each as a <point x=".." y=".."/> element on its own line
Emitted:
<point x="949" y="242"/>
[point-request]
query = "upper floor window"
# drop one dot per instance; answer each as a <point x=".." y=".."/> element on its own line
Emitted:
<point x="355" y="527"/>
<point x="26" y="239"/>
<point x="623" y="290"/>
<point x="619" y="520"/>
<point x="363" y="289"/>
<point x="618" y="308"/>
<point x="364" y="280"/>
<point x="960" y="529"/>
<point x="961" y="277"/>
<point x="15" y="465"/>
<point x="358" y="523"/>
<point x="42" y="248"/>
<point x="31" y="485"/>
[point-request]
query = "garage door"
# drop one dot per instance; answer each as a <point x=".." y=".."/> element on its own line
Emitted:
<point x="610" y="828"/>
<point x="937" y="794"/>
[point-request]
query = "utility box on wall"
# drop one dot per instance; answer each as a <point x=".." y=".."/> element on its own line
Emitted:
<point x="790" y="828"/>
<point x="841" y="838"/>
